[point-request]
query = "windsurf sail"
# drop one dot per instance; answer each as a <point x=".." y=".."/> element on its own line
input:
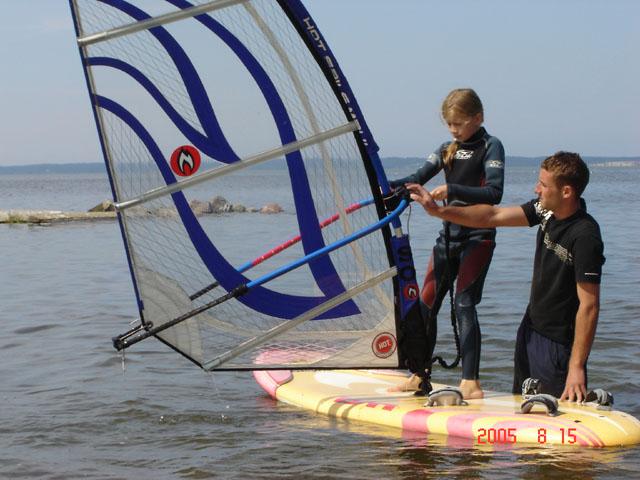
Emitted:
<point x="244" y="98"/>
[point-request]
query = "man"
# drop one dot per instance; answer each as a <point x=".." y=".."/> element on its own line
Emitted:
<point x="557" y="331"/>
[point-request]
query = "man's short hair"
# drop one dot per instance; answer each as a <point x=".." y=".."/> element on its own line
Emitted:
<point x="568" y="169"/>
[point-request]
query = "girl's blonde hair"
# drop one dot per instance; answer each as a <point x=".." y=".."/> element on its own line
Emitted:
<point x="463" y="101"/>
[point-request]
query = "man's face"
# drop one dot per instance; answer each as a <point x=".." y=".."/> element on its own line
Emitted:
<point x="548" y="191"/>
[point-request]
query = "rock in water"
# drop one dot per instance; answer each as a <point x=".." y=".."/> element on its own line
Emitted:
<point x="104" y="206"/>
<point x="200" y="208"/>
<point x="220" y="205"/>
<point x="271" y="208"/>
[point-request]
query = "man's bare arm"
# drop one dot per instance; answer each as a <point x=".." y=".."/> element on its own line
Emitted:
<point x="586" y="321"/>
<point x="477" y="216"/>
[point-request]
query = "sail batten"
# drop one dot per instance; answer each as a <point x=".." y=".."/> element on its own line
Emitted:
<point x="156" y="21"/>
<point x="242" y="163"/>
<point x="293" y="323"/>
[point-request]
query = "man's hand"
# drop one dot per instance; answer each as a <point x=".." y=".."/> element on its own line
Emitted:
<point x="423" y="197"/>
<point x="575" y="388"/>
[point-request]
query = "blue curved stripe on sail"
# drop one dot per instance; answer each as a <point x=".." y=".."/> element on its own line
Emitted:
<point x="199" y="140"/>
<point x="323" y="270"/>
<point x="258" y="298"/>
<point x="220" y="150"/>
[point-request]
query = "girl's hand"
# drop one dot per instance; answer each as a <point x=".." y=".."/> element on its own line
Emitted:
<point x="440" y="193"/>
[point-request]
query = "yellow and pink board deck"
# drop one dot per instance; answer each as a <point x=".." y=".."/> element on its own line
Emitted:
<point x="363" y="396"/>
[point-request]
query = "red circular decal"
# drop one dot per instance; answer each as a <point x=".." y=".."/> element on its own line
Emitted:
<point x="185" y="160"/>
<point x="411" y="291"/>
<point x="384" y="345"/>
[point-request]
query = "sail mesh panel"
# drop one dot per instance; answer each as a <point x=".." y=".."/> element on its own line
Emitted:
<point x="167" y="266"/>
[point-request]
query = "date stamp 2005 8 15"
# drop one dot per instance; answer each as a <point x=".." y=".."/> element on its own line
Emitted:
<point x="490" y="436"/>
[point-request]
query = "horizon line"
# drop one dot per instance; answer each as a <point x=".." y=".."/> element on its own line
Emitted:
<point x="388" y="157"/>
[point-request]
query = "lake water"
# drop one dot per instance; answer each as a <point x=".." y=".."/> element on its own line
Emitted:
<point x="69" y="411"/>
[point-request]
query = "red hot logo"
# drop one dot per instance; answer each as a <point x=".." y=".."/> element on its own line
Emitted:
<point x="411" y="291"/>
<point x="384" y="345"/>
<point x="185" y="160"/>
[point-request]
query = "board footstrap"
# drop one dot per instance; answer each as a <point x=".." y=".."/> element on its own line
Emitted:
<point x="445" y="397"/>
<point x="549" y="402"/>
<point x="599" y="397"/>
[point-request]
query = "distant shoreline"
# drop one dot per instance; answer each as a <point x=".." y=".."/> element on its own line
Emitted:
<point x="388" y="162"/>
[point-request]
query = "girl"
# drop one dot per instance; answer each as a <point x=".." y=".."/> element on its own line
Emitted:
<point x="473" y="165"/>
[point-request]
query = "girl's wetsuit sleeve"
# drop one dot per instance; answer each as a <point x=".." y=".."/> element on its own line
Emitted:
<point x="491" y="185"/>
<point x="426" y="172"/>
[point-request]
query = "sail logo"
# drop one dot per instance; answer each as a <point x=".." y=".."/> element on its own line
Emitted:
<point x="185" y="160"/>
<point x="384" y="345"/>
<point x="411" y="291"/>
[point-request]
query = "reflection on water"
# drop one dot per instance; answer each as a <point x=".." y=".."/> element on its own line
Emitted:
<point x="509" y="462"/>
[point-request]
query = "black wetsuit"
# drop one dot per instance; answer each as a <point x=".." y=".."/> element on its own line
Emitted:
<point x="568" y="251"/>
<point x="477" y="176"/>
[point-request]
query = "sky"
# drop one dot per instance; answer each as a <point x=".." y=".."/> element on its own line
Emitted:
<point x="551" y="74"/>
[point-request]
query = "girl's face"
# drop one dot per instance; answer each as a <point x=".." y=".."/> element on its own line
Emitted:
<point x="462" y="127"/>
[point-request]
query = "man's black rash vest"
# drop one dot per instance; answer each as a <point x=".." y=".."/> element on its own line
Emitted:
<point x="568" y="252"/>
<point x="477" y="175"/>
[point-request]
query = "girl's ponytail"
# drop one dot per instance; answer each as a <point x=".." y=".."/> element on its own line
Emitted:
<point x="449" y="154"/>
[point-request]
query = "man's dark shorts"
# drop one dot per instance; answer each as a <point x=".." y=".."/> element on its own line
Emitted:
<point x="537" y="356"/>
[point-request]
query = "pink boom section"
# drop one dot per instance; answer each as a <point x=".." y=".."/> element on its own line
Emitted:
<point x="292" y="241"/>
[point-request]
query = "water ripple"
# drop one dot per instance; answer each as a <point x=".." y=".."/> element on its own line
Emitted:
<point x="35" y="329"/>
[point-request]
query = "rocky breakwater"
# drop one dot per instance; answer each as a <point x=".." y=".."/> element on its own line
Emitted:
<point x="106" y="211"/>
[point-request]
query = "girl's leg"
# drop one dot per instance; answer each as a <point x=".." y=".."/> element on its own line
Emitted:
<point x="435" y="287"/>
<point x="474" y="264"/>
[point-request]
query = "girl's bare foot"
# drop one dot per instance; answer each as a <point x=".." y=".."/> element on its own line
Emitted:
<point x="412" y="384"/>
<point x="471" y="389"/>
